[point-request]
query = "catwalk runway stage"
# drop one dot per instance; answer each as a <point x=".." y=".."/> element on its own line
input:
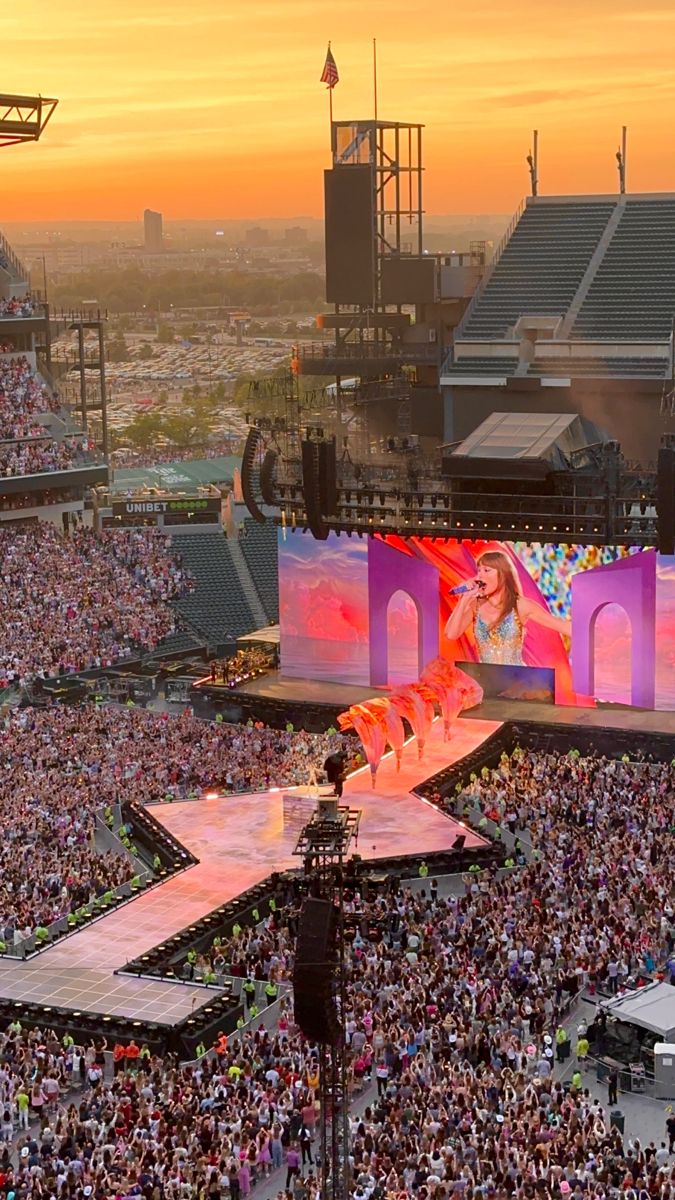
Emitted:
<point x="238" y="840"/>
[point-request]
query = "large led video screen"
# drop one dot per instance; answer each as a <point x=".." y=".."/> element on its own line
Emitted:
<point x="547" y="622"/>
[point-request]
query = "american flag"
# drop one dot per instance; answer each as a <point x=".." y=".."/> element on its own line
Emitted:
<point x="329" y="75"/>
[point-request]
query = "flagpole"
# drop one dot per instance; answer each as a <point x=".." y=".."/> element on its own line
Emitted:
<point x="330" y="114"/>
<point x="330" y="76"/>
<point x="375" y="74"/>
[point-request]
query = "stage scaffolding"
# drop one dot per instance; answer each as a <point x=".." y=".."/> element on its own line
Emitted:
<point x="323" y="845"/>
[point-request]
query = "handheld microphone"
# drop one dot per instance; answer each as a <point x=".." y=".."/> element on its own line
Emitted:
<point x="462" y="588"/>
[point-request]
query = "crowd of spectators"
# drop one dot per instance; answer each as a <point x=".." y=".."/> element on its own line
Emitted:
<point x="59" y="766"/>
<point x="156" y="455"/>
<point x="17" y="306"/>
<point x="33" y="456"/>
<point x="84" y="601"/>
<point x="455" y="1007"/>
<point x="23" y="396"/>
<point x="606" y="830"/>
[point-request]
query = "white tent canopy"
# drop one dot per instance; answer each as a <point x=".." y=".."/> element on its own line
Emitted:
<point x="652" y="1008"/>
<point x="269" y="634"/>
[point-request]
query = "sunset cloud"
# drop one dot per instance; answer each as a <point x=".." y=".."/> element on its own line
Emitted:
<point x="214" y="108"/>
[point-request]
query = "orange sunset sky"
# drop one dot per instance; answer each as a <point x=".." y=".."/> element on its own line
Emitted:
<point x="213" y="108"/>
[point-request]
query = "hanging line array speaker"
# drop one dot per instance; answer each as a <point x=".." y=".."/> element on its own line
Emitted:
<point x="253" y="439"/>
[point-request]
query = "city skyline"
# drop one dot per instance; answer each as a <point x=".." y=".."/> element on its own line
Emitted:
<point x="217" y="110"/>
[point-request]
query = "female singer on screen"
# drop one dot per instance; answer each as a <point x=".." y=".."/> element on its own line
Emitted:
<point x="499" y="613"/>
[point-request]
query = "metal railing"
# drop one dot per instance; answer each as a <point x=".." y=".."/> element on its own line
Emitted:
<point x="22" y="947"/>
<point x="28" y="945"/>
<point x="38" y="312"/>
<point x="13" y="260"/>
<point x="402" y="351"/>
<point x="501" y="246"/>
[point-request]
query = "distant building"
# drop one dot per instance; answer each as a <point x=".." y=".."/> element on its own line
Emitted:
<point x="297" y="236"/>
<point x="257" y="236"/>
<point x="154" y="238"/>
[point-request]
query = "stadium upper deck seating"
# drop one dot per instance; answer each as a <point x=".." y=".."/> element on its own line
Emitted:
<point x="259" y="546"/>
<point x="541" y="267"/>
<point x="218" y="608"/>
<point x="629" y="367"/>
<point x="481" y="365"/>
<point x="633" y="292"/>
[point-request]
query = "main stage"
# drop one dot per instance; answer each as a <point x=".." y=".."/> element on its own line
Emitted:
<point x="276" y="687"/>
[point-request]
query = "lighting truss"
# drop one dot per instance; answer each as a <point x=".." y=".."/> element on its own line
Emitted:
<point x="23" y="118"/>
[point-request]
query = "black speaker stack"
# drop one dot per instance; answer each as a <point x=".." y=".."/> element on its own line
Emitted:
<point x="315" y="972"/>
<point x="311" y="490"/>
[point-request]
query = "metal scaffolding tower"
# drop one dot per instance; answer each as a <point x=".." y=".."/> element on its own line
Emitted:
<point x="324" y="845"/>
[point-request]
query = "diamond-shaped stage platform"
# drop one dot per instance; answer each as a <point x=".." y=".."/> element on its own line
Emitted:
<point x="239" y="840"/>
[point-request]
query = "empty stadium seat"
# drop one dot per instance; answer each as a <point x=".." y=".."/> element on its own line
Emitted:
<point x="541" y="266"/>
<point x="259" y="547"/>
<point x="633" y="292"/>
<point x="628" y="367"/>
<point x="475" y="365"/>
<point x="217" y="608"/>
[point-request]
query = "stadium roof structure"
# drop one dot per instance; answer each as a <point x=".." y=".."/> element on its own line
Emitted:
<point x="192" y="472"/>
<point x="515" y="445"/>
<point x="581" y="287"/>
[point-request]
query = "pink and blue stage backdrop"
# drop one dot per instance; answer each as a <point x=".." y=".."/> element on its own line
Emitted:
<point x="373" y="612"/>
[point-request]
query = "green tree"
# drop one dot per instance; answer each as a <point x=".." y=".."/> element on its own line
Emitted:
<point x="146" y="352"/>
<point x="184" y="429"/>
<point x="165" y="334"/>
<point x="117" y="350"/>
<point x="144" y="430"/>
